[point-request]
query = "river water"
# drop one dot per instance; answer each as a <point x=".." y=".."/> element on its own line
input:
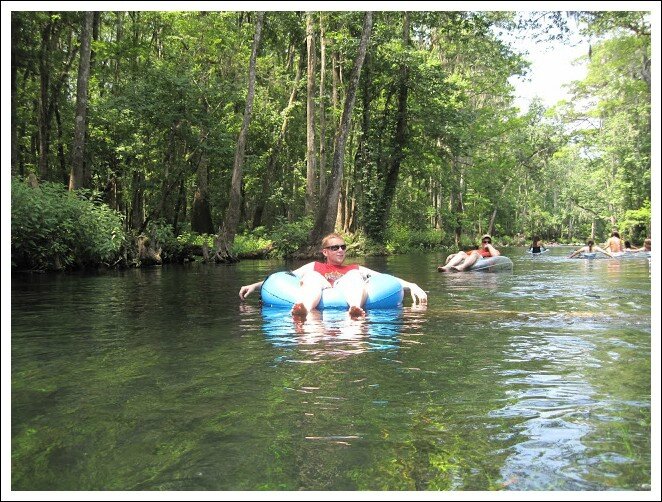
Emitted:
<point x="537" y="378"/>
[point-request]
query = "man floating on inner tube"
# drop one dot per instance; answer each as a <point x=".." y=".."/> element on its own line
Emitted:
<point x="350" y="279"/>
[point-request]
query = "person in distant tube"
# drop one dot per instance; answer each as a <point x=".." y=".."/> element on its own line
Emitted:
<point x="614" y="244"/>
<point x="647" y="246"/>
<point x="537" y="246"/>
<point x="589" y="248"/>
<point x="462" y="261"/>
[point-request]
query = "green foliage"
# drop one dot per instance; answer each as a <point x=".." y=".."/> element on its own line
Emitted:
<point x="287" y="237"/>
<point x="360" y="244"/>
<point x="403" y="239"/>
<point x="509" y="240"/>
<point x="54" y="229"/>
<point x="162" y="237"/>
<point x="167" y="93"/>
<point x="613" y="140"/>
<point x="637" y="222"/>
<point x="195" y="239"/>
<point x="250" y="244"/>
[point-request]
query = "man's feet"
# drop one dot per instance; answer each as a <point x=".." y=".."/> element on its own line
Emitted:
<point x="299" y="311"/>
<point x="356" y="312"/>
<point x="441" y="268"/>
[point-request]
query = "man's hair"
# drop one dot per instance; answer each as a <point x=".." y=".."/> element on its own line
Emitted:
<point x="326" y="239"/>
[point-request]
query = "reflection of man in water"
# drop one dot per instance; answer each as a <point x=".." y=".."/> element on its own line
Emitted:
<point x="331" y="333"/>
<point x="337" y="336"/>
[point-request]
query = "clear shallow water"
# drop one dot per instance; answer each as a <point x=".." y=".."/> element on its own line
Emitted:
<point x="161" y="379"/>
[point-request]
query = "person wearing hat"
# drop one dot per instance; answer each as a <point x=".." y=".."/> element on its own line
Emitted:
<point x="462" y="261"/>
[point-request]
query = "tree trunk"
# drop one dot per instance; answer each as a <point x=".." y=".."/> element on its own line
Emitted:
<point x="15" y="23"/>
<point x="119" y="37"/>
<point x="311" y="168"/>
<point x="336" y="81"/>
<point x="328" y="208"/>
<point x="138" y="201"/>
<point x="228" y="231"/>
<point x="201" y="220"/>
<point x="275" y="151"/>
<point x="180" y="205"/>
<point x="363" y="164"/>
<point x="399" y="141"/>
<point x="77" y="176"/>
<point x="593" y="229"/>
<point x="490" y="227"/>
<point x="169" y="171"/>
<point x="62" y="173"/>
<point x="96" y="27"/>
<point x="49" y="93"/>
<point x="342" y="206"/>
<point x="459" y="206"/>
<point x="322" y="157"/>
<point x="111" y="193"/>
<point x="44" y="84"/>
<point x="351" y="182"/>
<point x="349" y="225"/>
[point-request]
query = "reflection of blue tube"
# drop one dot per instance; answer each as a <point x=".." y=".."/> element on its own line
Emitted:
<point x="281" y="290"/>
<point x="384" y="326"/>
<point x="379" y="330"/>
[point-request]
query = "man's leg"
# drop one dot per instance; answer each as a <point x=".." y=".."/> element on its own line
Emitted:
<point x="471" y="259"/>
<point x="455" y="259"/>
<point x="353" y="288"/>
<point x="310" y="293"/>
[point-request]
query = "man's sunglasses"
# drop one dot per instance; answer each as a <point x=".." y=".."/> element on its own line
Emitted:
<point x="336" y="247"/>
<point x="487" y="241"/>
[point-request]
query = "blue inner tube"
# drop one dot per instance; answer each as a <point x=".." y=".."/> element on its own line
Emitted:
<point x="492" y="264"/>
<point x="281" y="290"/>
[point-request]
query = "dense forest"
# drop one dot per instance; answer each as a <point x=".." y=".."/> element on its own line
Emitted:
<point x="144" y="137"/>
